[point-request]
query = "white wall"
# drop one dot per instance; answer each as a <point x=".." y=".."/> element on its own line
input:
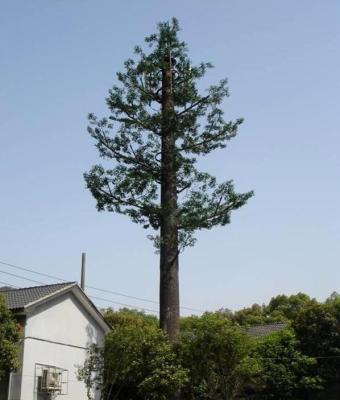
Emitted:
<point x="65" y="330"/>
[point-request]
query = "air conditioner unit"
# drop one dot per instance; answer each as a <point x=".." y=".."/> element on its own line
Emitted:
<point x="50" y="381"/>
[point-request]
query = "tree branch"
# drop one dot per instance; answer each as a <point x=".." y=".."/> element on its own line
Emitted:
<point x="209" y="218"/>
<point x="133" y="119"/>
<point x="203" y="142"/>
<point x="129" y="202"/>
<point x="202" y="100"/>
<point x="128" y="159"/>
<point x="187" y="186"/>
<point x="153" y="95"/>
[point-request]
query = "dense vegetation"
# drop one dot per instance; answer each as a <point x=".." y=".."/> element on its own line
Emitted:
<point x="215" y="358"/>
<point x="9" y="336"/>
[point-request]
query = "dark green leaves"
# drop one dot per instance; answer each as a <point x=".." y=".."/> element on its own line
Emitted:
<point x="9" y="337"/>
<point x="137" y="361"/>
<point x="129" y="140"/>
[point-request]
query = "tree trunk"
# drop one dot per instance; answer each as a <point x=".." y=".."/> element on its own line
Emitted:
<point x="169" y="285"/>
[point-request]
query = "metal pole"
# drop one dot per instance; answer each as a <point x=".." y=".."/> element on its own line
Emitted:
<point x="82" y="276"/>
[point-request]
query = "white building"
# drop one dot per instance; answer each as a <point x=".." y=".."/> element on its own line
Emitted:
<point x="59" y="322"/>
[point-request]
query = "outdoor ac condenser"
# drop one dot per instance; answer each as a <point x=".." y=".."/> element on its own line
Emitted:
<point x="50" y="381"/>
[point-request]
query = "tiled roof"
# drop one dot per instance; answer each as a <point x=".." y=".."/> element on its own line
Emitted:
<point x="19" y="298"/>
<point x="264" y="330"/>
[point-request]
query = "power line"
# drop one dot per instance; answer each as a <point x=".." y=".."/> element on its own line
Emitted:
<point x="297" y="358"/>
<point x="119" y="303"/>
<point x="32" y="271"/>
<point x="123" y="304"/>
<point x="122" y="294"/>
<point x="22" y="277"/>
<point x="138" y="298"/>
<point x="8" y="284"/>
<point x="89" y="287"/>
<point x="93" y="297"/>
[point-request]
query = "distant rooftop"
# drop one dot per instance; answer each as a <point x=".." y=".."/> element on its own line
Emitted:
<point x="17" y="299"/>
<point x="258" y="331"/>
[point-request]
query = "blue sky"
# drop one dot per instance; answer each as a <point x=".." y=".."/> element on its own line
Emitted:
<point x="58" y="60"/>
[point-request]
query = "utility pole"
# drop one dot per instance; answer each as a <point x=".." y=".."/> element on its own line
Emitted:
<point x="82" y="275"/>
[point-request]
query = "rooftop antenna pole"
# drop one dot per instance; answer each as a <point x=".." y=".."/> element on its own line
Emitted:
<point x="82" y="276"/>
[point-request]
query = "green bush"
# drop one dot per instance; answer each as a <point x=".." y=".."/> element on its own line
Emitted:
<point x="9" y="336"/>
<point x="216" y="354"/>
<point x="137" y="362"/>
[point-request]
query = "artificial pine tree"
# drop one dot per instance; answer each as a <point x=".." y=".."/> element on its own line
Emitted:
<point x="158" y="125"/>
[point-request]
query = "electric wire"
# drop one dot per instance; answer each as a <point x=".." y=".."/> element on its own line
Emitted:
<point x="121" y="294"/>
<point x="92" y="297"/>
<point x="22" y="277"/>
<point x="133" y="306"/>
<point x="8" y="284"/>
<point x="87" y="286"/>
<point x="123" y="304"/>
<point x="32" y="271"/>
<point x="138" y="298"/>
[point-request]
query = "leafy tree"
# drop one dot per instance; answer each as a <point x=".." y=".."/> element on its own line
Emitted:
<point x="9" y="336"/>
<point x="281" y="308"/>
<point x="158" y="124"/>
<point x="216" y="353"/>
<point x="286" y="373"/>
<point x="289" y="307"/>
<point x="318" y="329"/>
<point x="334" y="298"/>
<point x="253" y="315"/>
<point x="137" y="362"/>
<point x="125" y="315"/>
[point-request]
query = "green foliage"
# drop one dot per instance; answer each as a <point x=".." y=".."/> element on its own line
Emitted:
<point x="216" y="353"/>
<point x="129" y="140"/>
<point x="286" y="373"/>
<point x="136" y="363"/>
<point x="125" y="316"/>
<point x="288" y="307"/>
<point x="214" y="358"/>
<point x="9" y="336"/>
<point x="254" y="315"/>
<point x="318" y="328"/>
<point x="281" y="308"/>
